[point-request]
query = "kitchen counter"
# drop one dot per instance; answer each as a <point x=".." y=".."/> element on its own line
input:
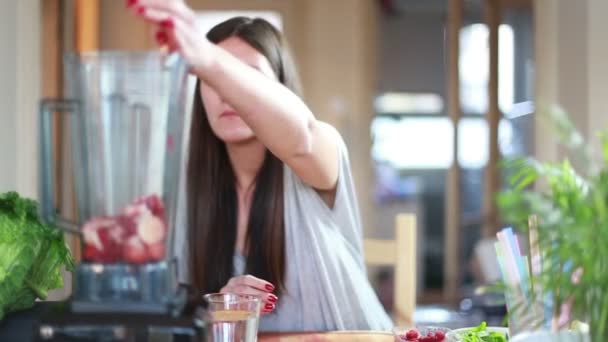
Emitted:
<point x="24" y="326"/>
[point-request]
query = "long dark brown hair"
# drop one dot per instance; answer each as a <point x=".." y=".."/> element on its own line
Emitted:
<point x="211" y="190"/>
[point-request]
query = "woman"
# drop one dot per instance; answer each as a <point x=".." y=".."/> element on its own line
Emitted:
<point x="271" y="206"/>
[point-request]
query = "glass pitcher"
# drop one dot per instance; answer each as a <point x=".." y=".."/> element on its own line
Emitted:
<point x="123" y="118"/>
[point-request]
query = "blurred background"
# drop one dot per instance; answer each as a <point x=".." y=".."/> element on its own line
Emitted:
<point x="429" y="95"/>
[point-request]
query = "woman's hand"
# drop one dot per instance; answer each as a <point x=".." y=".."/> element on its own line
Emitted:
<point x="250" y="285"/>
<point x="176" y="29"/>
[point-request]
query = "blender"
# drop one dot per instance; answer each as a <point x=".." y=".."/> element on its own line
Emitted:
<point x="123" y="117"/>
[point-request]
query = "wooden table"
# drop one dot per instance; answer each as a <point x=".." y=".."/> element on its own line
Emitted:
<point x="335" y="336"/>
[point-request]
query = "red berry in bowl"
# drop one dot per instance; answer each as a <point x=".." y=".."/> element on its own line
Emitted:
<point x="439" y="336"/>
<point x="411" y="335"/>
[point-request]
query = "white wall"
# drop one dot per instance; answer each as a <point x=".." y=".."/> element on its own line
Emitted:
<point x="19" y="94"/>
<point x="8" y="63"/>
<point x="571" y="56"/>
<point x="411" y="52"/>
<point x="598" y="68"/>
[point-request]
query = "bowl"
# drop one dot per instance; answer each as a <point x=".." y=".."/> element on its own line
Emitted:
<point x="453" y="336"/>
<point x="542" y="336"/>
<point x="400" y="333"/>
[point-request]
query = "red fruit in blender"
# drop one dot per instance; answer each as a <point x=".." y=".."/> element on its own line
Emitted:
<point x="137" y="234"/>
<point x="439" y="336"/>
<point x="129" y="224"/>
<point x="156" y="206"/>
<point x="151" y="229"/>
<point x="134" y="251"/>
<point x="111" y="247"/>
<point x="102" y="239"/>
<point x="90" y="230"/>
<point x="135" y="210"/>
<point x="91" y="254"/>
<point x="117" y="233"/>
<point x="156" y="252"/>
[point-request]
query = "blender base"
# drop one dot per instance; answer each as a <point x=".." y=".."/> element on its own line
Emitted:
<point x="59" y="323"/>
<point x="126" y="288"/>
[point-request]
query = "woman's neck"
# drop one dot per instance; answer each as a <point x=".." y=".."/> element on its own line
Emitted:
<point x="246" y="159"/>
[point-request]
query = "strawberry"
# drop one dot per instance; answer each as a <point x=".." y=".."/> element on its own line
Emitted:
<point x="128" y="223"/>
<point x="134" y="251"/>
<point x="156" y="206"/>
<point x="90" y="230"/>
<point x="111" y="250"/>
<point x="135" y="210"/>
<point x="156" y="252"/>
<point x="439" y="336"/>
<point x="91" y="254"/>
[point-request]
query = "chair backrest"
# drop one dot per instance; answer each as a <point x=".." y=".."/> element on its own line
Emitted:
<point x="401" y="254"/>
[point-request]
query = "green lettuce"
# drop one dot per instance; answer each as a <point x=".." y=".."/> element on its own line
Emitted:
<point x="32" y="255"/>
<point x="480" y="334"/>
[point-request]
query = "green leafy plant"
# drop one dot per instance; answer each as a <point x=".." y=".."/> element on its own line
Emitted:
<point x="31" y="255"/>
<point x="572" y="213"/>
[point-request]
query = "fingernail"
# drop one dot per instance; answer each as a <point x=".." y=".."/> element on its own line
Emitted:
<point x="272" y="298"/>
<point x="167" y="23"/>
<point x="269" y="306"/>
<point x="161" y="37"/>
<point x="131" y="3"/>
<point x="141" y="10"/>
<point x="269" y="287"/>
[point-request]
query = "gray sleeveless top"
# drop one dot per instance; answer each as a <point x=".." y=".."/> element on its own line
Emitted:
<point x="326" y="280"/>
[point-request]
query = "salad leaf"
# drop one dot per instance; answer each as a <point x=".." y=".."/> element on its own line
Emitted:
<point x="480" y="334"/>
<point x="31" y="255"/>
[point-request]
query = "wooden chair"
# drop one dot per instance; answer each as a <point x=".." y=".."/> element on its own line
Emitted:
<point x="401" y="254"/>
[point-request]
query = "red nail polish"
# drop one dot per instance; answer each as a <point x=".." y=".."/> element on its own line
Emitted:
<point x="269" y="287"/>
<point x="167" y="23"/>
<point x="141" y="10"/>
<point x="273" y="298"/>
<point x="131" y="3"/>
<point x="161" y="37"/>
<point x="269" y="306"/>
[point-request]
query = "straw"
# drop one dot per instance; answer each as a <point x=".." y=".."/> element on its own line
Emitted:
<point x="501" y="263"/>
<point x="514" y="298"/>
<point x="517" y="270"/>
<point x="536" y="264"/>
<point x="510" y="262"/>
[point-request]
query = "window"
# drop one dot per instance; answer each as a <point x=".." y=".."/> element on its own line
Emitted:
<point x="474" y="65"/>
<point x="473" y="145"/>
<point x="413" y="142"/>
<point x="427" y="143"/>
<point x="409" y="103"/>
